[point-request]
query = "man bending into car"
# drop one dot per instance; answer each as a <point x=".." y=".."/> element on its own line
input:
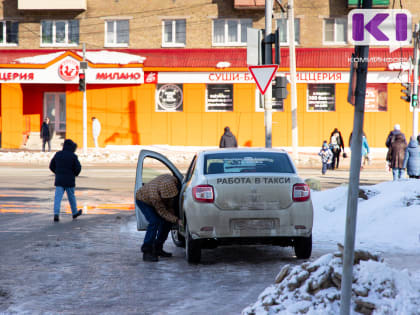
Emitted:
<point x="156" y="200"/>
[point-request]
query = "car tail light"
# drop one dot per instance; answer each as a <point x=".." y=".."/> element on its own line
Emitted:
<point x="301" y="192"/>
<point x="203" y="193"/>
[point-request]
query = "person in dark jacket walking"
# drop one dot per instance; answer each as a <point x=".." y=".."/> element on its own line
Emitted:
<point x="395" y="156"/>
<point x="46" y="134"/>
<point x="66" y="166"/>
<point x="336" y="144"/>
<point x="392" y="134"/>
<point x="412" y="158"/>
<point x="228" y="140"/>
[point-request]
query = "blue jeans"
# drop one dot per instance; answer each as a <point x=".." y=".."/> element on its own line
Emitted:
<point x="324" y="167"/>
<point x="59" y="192"/>
<point x="157" y="230"/>
<point x="398" y="173"/>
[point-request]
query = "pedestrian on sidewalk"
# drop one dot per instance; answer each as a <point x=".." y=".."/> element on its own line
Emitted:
<point x="336" y="144"/>
<point x="47" y="131"/>
<point x="96" y="130"/>
<point x="66" y="166"/>
<point x="156" y="200"/>
<point x="392" y="134"/>
<point x="412" y="158"/>
<point x="365" y="151"/>
<point x="396" y="155"/>
<point x="326" y="157"/>
<point x="228" y="139"/>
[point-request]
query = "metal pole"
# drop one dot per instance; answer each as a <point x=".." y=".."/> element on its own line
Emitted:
<point x="416" y="81"/>
<point x="353" y="192"/>
<point x="84" y="108"/>
<point x="268" y="61"/>
<point x="356" y="158"/>
<point x="292" y="53"/>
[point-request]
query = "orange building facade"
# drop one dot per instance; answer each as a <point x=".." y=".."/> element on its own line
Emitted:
<point x="187" y="98"/>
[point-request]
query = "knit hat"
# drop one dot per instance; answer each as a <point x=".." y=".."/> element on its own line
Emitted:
<point x="397" y="127"/>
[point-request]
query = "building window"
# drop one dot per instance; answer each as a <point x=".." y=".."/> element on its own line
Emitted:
<point x="174" y="33"/>
<point x="60" y="33"/>
<point x="219" y="98"/>
<point x="116" y="33"/>
<point x="9" y="33"/>
<point x="283" y="27"/>
<point x="335" y="31"/>
<point x="321" y="98"/>
<point x="230" y="32"/>
<point x="169" y="98"/>
<point x="376" y="97"/>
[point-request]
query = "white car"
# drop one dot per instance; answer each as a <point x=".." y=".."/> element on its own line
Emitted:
<point x="238" y="196"/>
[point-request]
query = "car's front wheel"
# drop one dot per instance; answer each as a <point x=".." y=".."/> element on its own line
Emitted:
<point x="303" y="247"/>
<point x="192" y="247"/>
<point x="177" y="238"/>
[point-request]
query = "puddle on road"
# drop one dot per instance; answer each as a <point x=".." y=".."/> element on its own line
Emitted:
<point x="87" y="209"/>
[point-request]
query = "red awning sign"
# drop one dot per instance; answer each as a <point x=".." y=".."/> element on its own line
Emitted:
<point x="263" y="75"/>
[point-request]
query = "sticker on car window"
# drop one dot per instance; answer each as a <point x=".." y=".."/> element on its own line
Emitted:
<point x="254" y="180"/>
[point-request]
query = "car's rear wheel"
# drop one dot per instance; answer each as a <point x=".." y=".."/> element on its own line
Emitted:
<point x="177" y="238"/>
<point x="303" y="247"/>
<point x="192" y="247"/>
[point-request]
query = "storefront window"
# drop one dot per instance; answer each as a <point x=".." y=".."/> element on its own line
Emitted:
<point x="376" y="98"/>
<point x="169" y="98"/>
<point x="219" y="97"/>
<point x="321" y="98"/>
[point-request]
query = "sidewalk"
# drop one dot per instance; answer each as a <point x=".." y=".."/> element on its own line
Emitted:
<point x="179" y="155"/>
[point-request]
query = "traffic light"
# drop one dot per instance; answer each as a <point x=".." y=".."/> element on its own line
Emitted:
<point x="280" y="88"/>
<point x="414" y="100"/>
<point x="407" y="92"/>
<point x="82" y="81"/>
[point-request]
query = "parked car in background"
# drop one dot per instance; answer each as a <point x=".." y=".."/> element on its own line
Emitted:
<point x="237" y="196"/>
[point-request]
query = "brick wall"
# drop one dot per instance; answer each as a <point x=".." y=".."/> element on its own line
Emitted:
<point x="145" y="18"/>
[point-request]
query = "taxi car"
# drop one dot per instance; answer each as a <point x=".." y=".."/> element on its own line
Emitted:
<point x="237" y="196"/>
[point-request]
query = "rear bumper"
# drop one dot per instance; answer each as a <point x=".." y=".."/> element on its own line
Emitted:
<point x="205" y="221"/>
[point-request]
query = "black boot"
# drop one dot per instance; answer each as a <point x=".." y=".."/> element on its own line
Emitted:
<point x="78" y="213"/>
<point x="150" y="256"/>
<point x="160" y="252"/>
<point x="56" y="218"/>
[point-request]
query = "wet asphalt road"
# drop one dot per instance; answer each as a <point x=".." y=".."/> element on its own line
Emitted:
<point x="93" y="264"/>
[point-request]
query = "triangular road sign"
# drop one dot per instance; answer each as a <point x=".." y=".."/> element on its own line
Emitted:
<point x="263" y="75"/>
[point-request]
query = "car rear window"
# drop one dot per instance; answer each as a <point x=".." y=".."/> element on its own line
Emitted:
<point x="247" y="162"/>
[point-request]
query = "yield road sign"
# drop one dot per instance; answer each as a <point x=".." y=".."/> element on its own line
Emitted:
<point x="263" y="75"/>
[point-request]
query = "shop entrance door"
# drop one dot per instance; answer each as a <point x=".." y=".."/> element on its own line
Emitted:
<point x="55" y="110"/>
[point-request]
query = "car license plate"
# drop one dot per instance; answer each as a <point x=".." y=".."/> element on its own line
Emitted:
<point x="253" y="224"/>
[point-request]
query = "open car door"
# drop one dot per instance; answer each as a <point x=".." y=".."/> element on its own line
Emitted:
<point x="142" y="178"/>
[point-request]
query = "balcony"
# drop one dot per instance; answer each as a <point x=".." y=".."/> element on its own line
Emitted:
<point x="249" y="4"/>
<point x="51" y="5"/>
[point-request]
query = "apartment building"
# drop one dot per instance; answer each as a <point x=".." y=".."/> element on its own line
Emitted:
<point x="190" y="77"/>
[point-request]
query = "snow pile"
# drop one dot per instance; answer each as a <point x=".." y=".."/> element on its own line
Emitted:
<point x="388" y="216"/>
<point x="315" y="288"/>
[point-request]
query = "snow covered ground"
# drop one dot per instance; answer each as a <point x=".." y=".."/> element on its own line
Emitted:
<point x="387" y="221"/>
